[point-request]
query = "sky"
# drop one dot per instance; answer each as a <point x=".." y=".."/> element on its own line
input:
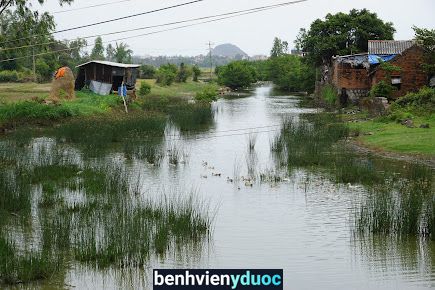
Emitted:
<point x="252" y="33"/>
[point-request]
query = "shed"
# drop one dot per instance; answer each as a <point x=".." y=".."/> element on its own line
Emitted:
<point x="106" y="73"/>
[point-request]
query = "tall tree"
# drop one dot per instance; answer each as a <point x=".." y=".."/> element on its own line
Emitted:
<point x="18" y="30"/>
<point x="110" y="52"/>
<point x="122" y="53"/>
<point x="22" y="5"/>
<point x="98" y="50"/>
<point x="341" y="34"/>
<point x="426" y="38"/>
<point x="279" y="48"/>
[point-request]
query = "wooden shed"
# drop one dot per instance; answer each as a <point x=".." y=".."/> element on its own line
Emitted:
<point x="107" y="72"/>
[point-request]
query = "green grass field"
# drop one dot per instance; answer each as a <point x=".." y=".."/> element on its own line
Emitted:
<point x="21" y="103"/>
<point x="394" y="137"/>
<point x="179" y="90"/>
<point x="13" y="92"/>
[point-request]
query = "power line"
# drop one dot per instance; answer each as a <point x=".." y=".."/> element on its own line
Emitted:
<point x="221" y="136"/>
<point x="160" y="31"/>
<point x="241" y="12"/>
<point x="210" y="50"/>
<point x="87" y="7"/>
<point x="112" y="20"/>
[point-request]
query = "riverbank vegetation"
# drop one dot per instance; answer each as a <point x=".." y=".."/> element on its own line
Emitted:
<point x="57" y="179"/>
<point x="407" y="127"/>
<point x="399" y="201"/>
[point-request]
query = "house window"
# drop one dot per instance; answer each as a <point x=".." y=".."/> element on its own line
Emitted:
<point x="396" y="82"/>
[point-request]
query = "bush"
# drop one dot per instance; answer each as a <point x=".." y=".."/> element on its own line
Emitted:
<point x="147" y="71"/>
<point x="183" y="73"/>
<point x="208" y="94"/>
<point x="329" y="95"/>
<point x="9" y="76"/>
<point x="30" y="110"/>
<point x="237" y="74"/>
<point x="166" y="74"/>
<point x="424" y="97"/>
<point x="196" y="73"/>
<point x="382" y="90"/>
<point x="145" y="88"/>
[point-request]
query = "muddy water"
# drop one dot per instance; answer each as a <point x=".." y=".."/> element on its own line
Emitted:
<point x="303" y="224"/>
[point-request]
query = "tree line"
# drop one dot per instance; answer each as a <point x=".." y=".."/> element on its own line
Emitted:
<point x="287" y="71"/>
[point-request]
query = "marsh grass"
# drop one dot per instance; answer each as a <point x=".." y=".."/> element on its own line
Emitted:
<point x="91" y="213"/>
<point x="176" y="153"/>
<point x="399" y="204"/>
<point x="252" y="140"/>
<point x="400" y="207"/>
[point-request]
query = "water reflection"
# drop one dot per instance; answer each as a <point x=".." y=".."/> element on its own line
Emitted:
<point x="283" y="198"/>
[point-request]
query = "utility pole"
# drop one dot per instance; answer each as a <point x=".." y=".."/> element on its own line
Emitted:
<point x="34" y="65"/>
<point x="211" y="58"/>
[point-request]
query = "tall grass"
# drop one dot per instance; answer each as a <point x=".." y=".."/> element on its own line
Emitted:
<point x="86" y="212"/>
<point x="400" y="205"/>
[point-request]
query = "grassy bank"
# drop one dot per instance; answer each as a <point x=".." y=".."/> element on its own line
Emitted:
<point x="23" y="103"/>
<point x="394" y="137"/>
<point x="387" y="133"/>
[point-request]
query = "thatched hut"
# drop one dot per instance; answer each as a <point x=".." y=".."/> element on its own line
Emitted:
<point x="102" y="77"/>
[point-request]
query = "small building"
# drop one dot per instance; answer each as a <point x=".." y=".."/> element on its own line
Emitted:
<point x="350" y="75"/>
<point x="354" y="75"/>
<point x="102" y="77"/>
<point x="406" y="55"/>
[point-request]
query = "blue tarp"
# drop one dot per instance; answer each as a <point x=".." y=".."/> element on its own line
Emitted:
<point x="378" y="58"/>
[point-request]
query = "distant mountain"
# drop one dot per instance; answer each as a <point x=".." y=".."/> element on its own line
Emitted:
<point x="229" y="50"/>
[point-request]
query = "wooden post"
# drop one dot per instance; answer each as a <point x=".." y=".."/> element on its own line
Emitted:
<point x="34" y="65"/>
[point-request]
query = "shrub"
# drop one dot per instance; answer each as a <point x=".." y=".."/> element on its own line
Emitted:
<point x="196" y="73"/>
<point x="183" y="73"/>
<point x="9" y="76"/>
<point x="426" y="96"/>
<point x="166" y="74"/>
<point x="238" y="74"/>
<point x="382" y="89"/>
<point x="208" y="94"/>
<point x="329" y="95"/>
<point x="145" y="88"/>
<point x="147" y="71"/>
<point x="30" y="110"/>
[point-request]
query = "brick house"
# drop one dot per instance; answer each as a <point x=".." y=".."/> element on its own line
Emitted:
<point x="354" y="75"/>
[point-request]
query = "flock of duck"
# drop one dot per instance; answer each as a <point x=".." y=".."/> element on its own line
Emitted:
<point x="249" y="181"/>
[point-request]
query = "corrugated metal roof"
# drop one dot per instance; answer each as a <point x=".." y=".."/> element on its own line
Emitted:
<point x="109" y="63"/>
<point x="389" y="46"/>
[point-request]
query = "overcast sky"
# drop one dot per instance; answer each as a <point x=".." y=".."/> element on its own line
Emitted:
<point x="252" y="33"/>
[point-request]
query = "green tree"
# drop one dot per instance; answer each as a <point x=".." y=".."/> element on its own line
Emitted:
<point x="166" y="74"/>
<point x="237" y="74"/>
<point x="279" y="48"/>
<point x="17" y="28"/>
<point x="341" y="34"/>
<point x="144" y="89"/>
<point x="98" y="50"/>
<point x="426" y="38"/>
<point x="147" y="71"/>
<point x="183" y="74"/>
<point x="196" y="73"/>
<point x="122" y="53"/>
<point x="22" y="5"/>
<point x="110" y="52"/>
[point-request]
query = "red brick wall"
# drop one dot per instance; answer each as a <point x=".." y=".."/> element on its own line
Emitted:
<point x="413" y="76"/>
<point x="344" y="76"/>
